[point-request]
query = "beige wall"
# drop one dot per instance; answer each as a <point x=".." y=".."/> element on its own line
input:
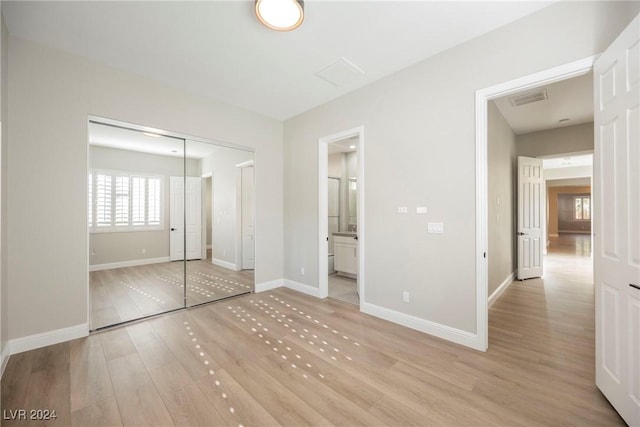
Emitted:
<point x="105" y="248"/>
<point x="552" y="203"/>
<point x="51" y="94"/>
<point x="570" y="139"/>
<point x="420" y="151"/>
<point x="502" y="166"/>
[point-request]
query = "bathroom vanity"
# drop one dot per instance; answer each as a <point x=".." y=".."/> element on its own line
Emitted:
<point x="345" y="250"/>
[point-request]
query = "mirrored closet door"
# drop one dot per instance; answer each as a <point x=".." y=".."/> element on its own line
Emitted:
<point x="222" y="246"/>
<point x="170" y="223"/>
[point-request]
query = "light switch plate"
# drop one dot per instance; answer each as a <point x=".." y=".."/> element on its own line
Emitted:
<point x="403" y="209"/>
<point x="421" y="210"/>
<point x="435" y="227"/>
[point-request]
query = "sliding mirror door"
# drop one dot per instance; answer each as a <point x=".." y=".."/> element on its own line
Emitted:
<point x="219" y="219"/>
<point x="136" y="261"/>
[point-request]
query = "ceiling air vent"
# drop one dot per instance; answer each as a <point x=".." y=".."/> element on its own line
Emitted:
<point x="529" y="98"/>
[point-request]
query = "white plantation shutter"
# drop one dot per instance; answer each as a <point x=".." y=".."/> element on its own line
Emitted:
<point x="153" y="217"/>
<point x="138" y="200"/>
<point x="119" y="201"/>
<point x="90" y="200"/>
<point x="103" y="200"/>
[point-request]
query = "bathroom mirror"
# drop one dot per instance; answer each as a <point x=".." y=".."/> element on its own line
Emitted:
<point x="352" y="200"/>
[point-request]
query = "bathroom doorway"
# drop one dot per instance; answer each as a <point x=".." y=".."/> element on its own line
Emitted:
<point x="340" y="202"/>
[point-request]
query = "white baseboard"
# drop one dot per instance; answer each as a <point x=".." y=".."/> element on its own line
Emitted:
<point x="4" y="358"/>
<point x="267" y="286"/>
<point x="573" y="232"/>
<point x="436" y="329"/>
<point x="553" y="235"/>
<point x="132" y="263"/>
<point x="500" y="289"/>
<point x="301" y="287"/>
<point x="224" y="264"/>
<point x="18" y="345"/>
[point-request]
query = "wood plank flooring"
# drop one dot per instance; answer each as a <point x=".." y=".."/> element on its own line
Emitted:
<point x="128" y="293"/>
<point x="284" y="358"/>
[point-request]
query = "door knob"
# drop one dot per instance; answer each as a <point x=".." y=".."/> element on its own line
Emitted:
<point x="173" y="229"/>
<point x="520" y="233"/>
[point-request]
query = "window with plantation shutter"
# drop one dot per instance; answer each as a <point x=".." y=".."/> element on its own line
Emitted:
<point x="123" y="201"/>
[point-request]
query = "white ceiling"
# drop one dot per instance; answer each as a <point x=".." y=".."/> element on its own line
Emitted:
<point x="572" y="99"/>
<point x="218" y="49"/>
<point x="126" y="139"/>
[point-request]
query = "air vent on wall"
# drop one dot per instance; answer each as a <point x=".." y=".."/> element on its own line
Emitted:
<point x="529" y="98"/>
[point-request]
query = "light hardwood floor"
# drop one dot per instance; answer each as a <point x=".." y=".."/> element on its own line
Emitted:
<point x="128" y="293"/>
<point x="284" y="358"/>
<point x="343" y="289"/>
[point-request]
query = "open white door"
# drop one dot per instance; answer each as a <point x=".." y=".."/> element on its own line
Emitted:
<point x="530" y="217"/>
<point x="616" y="223"/>
<point x="176" y="218"/>
<point x="248" y="246"/>
<point x="179" y="223"/>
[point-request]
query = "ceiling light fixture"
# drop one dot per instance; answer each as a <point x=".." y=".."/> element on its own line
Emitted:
<point x="352" y="147"/>
<point x="152" y="135"/>
<point x="280" y="15"/>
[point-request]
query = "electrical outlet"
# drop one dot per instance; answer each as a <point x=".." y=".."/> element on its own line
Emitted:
<point x="93" y="251"/>
<point x="405" y="296"/>
<point x="144" y="250"/>
<point x="302" y="270"/>
<point x="224" y="252"/>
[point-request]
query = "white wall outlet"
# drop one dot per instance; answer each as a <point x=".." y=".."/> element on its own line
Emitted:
<point x="421" y="210"/>
<point x="93" y="251"/>
<point x="302" y="270"/>
<point x="403" y="209"/>
<point x="144" y="250"/>
<point x="435" y="227"/>
<point x="224" y="252"/>
<point x="405" y="296"/>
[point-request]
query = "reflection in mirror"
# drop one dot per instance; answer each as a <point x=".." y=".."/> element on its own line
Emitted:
<point x="130" y="216"/>
<point x="219" y="214"/>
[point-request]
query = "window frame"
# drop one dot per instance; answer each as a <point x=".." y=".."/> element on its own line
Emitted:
<point x="582" y="198"/>
<point x="129" y="227"/>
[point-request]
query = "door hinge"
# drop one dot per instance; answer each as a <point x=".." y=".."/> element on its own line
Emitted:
<point x="484" y="255"/>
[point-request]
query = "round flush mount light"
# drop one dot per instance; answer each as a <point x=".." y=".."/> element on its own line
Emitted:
<point x="280" y="15"/>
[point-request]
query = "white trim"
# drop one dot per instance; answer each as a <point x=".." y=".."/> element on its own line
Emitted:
<point x="301" y="287"/>
<point x="552" y="75"/>
<point x="267" y="286"/>
<point x="209" y="246"/>
<point x="247" y="164"/>
<point x="323" y="267"/>
<point x="436" y="329"/>
<point x="4" y="358"/>
<point x="224" y="264"/>
<point x="575" y="231"/>
<point x="553" y="235"/>
<point x="131" y="263"/>
<point x="18" y="345"/>
<point x="500" y="289"/>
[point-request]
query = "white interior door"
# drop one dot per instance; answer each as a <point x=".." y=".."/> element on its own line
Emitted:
<point x="193" y="217"/>
<point x="616" y="223"/>
<point x="530" y="217"/>
<point x="185" y="218"/>
<point x="248" y="232"/>
<point x="176" y="218"/>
